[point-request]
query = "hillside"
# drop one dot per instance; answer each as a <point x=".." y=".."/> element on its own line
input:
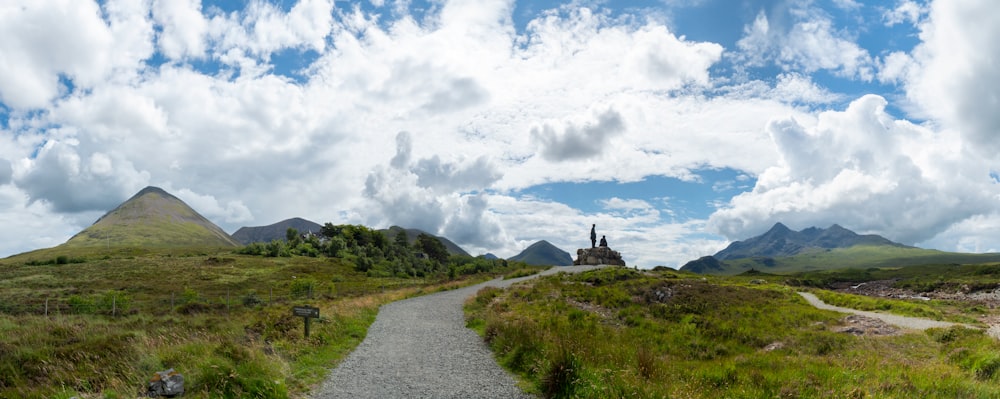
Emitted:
<point x="543" y="253"/>
<point x="152" y="217"/>
<point x="411" y="237"/>
<point x="276" y="231"/>
<point x="781" y="241"/>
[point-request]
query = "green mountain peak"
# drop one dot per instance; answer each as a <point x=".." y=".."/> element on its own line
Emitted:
<point x="152" y="217"/>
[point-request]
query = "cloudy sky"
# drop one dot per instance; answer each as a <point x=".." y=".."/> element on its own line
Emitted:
<point x="676" y="126"/>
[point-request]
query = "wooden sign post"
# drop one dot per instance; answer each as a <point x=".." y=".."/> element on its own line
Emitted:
<point x="306" y="313"/>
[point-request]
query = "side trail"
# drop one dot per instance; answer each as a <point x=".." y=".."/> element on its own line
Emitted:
<point x="420" y="348"/>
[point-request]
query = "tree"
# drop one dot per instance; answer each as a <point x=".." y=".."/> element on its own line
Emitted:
<point x="400" y="239"/>
<point x="292" y="236"/>
<point x="432" y="247"/>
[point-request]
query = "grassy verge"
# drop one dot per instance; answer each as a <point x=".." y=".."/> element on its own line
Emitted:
<point x="621" y="333"/>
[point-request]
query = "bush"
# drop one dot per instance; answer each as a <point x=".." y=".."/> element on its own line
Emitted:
<point x="251" y="299"/>
<point x="562" y="374"/>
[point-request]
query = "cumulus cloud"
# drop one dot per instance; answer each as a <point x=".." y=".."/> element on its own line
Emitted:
<point x="578" y="142"/>
<point x="183" y="28"/>
<point x="72" y="182"/>
<point x="866" y="171"/>
<point x="210" y="207"/>
<point x="6" y="172"/>
<point x="961" y="95"/>
<point x="797" y="37"/>
<point x="428" y="195"/>
<point x="906" y="11"/>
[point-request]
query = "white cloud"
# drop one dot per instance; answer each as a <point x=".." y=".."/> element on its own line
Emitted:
<point x="626" y="204"/>
<point x="183" y="28"/>
<point x="906" y="11"/>
<point x="572" y="142"/>
<point x="955" y="74"/>
<point x="6" y="172"/>
<point x="75" y="43"/>
<point x="800" y="39"/>
<point x="866" y="171"/>
<point x="212" y="208"/>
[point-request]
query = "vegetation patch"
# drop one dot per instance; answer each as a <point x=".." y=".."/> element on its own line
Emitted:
<point x="223" y="319"/>
<point x="676" y="335"/>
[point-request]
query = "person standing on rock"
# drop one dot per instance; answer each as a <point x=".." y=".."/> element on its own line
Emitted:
<point x="604" y="242"/>
<point x="593" y="235"/>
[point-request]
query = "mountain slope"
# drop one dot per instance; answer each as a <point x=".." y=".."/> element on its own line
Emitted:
<point x="544" y="253"/>
<point x="152" y="217"/>
<point x="276" y="231"/>
<point x="411" y="237"/>
<point x="782" y="241"/>
<point x="782" y="250"/>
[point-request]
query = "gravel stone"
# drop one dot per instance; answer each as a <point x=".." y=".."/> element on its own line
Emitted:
<point x="420" y="348"/>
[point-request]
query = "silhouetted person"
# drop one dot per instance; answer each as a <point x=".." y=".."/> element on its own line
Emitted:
<point x="593" y="235"/>
<point x="604" y="242"/>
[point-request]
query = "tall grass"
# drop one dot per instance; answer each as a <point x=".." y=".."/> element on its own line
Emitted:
<point x="619" y="333"/>
<point x="209" y="315"/>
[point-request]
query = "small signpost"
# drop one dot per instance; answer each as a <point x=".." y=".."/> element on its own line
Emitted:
<point x="306" y="313"/>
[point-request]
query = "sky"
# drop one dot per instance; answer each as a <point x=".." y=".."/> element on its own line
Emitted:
<point x="675" y="126"/>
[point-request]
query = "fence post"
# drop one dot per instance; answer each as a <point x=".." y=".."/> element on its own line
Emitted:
<point x="46" y="307"/>
<point x="270" y="295"/>
<point x="227" y="300"/>
<point x="114" y="305"/>
<point x="171" y="300"/>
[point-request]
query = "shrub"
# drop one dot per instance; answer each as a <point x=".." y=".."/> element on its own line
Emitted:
<point x="562" y="374"/>
<point x="251" y="299"/>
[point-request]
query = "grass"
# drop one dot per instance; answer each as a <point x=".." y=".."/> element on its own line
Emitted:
<point x="953" y="311"/>
<point x="222" y="320"/>
<point x="859" y="256"/>
<point x="623" y="333"/>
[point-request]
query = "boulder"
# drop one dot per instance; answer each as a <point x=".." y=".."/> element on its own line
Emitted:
<point x="168" y="383"/>
<point x="598" y="256"/>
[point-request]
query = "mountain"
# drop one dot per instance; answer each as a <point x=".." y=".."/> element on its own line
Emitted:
<point x="488" y="256"/>
<point x="782" y="241"/>
<point x="543" y="253"/>
<point x="276" y="231"/>
<point x="782" y="250"/>
<point x="152" y="217"/>
<point x="411" y="237"/>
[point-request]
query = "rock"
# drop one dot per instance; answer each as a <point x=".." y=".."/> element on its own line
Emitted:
<point x="168" y="383"/>
<point x="598" y="256"/>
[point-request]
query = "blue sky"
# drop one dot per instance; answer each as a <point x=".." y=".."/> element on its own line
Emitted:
<point x="676" y="126"/>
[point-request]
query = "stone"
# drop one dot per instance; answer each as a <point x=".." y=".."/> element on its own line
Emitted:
<point x="167" y="383"/>
<point x="598" y="256"/>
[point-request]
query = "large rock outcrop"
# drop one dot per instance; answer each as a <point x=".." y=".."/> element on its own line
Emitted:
<point x="598" y="256"/>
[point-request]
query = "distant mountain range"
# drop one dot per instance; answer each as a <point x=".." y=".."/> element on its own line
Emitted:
<point x="782" y="250"/>
<point x="543" y="253"/>
<point x="782" y="241"/>
<point x="152" y="217"/>
<point x="276" y="231"/>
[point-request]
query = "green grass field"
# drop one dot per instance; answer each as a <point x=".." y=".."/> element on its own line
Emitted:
<point x="623" y="333"/>
<point x="860" y="256"/>
<point x="224" y="321"/>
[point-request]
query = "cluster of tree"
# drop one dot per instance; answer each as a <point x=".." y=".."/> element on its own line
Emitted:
<point x="375" y="254"/>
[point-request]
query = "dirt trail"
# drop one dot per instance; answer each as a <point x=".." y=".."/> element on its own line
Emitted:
<point x="915" y="323"/>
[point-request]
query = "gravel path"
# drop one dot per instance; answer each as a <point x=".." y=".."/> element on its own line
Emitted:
<point x="915" y="323"/>
<point x="420" y="348"/>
